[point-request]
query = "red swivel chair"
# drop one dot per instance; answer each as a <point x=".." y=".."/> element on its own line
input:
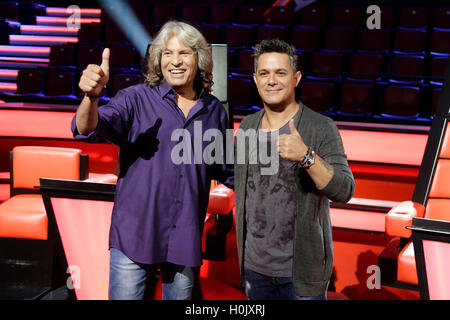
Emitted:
<point x="29" y="246"/>
<point x="30" y="82"/>
<point x="431" y="200"/>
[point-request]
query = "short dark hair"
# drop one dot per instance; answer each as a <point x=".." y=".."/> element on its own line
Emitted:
<point x="275" y="45"/>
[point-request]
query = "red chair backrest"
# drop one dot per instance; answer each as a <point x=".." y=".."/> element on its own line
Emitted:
<point x="31" y="163"/>
<point x="438" y="204"/>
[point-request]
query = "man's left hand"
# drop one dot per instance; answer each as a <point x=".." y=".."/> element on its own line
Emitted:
<point x="291" y="146"/>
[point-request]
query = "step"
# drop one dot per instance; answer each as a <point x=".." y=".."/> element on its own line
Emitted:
<point x="66" y="12"/>
<point x="15" y="39"/>
<point x="24" y="59"/>
<point x="24" y="51"/>
<point x="8" y="75"/>
<point x="48" y="30"/>
<point x="8" y="87"/>
<point x="63" y="21"/>
<point x="8" y="64"/>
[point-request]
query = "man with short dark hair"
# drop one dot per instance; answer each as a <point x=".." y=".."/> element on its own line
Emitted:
<point x="282" y="219"/>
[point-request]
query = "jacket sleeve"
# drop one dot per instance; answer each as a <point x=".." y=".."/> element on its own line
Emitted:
<point x="342" y="185"/>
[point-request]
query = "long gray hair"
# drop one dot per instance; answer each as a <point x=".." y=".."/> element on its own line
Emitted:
<point x="191" y="37"/>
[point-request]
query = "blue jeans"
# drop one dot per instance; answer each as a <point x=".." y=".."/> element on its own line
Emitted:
<point x="128" y="279"/>
<point x="261" y="287"/>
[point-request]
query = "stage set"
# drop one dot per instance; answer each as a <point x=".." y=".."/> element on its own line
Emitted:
<point x="385" y="83"/>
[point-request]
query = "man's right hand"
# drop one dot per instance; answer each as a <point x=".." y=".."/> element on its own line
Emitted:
<point x="95" y="77"/>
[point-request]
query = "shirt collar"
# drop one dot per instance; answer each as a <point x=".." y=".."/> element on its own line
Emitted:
<point x="166" y="89"/>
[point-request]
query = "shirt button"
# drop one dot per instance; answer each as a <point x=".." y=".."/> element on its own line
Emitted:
<point x="174" y="226"/>
<point x="177" y="201"/>
<point x="181" y="176"/>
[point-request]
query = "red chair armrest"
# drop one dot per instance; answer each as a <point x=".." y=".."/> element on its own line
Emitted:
<point x="400" y="217"/>
<point x="221" y="200"/>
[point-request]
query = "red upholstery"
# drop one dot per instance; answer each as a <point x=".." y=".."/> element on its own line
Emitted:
<point x="400" y="217"/>
<point x="437" y="207"/>
<point x="221" y="200"/>
<point x="23" y="216"/>
<point x="31" y="163"/>
<point x="445" y="148"/>
<point x="406" y="270"/>
<point x="102" y="178"/>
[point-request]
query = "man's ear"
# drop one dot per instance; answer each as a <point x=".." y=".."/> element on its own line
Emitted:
<point x="298" y="76"/>
<point x="254" y="77"/>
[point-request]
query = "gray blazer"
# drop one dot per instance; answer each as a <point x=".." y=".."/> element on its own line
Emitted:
<point x="313" y="246"/>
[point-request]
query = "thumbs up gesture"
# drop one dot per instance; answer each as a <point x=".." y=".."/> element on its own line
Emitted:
<point x="291" y="146"/>
<point x="95" y="77"/>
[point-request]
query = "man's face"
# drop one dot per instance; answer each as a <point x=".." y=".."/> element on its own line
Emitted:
<point x="179" y="65"/>
<point x="275" y="79"/>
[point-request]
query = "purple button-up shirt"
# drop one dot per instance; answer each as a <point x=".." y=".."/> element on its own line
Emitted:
<point x="159" y="206"/>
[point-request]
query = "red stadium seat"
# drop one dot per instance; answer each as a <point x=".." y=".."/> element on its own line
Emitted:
<point x="163" y="12"/>
<point x="410" y="41"/>
<point x="282" y="15"/>
<point x="339" y="39"/>
<point x="407" y="69"/>
<point x="59" y="83"/>
<point x="401" y="101"/>
<point x="90" y="33"/>
<point x="122" y="56"/>
<point x="442" y="18"/>
<point x="357" y="99"/>
<point x="240" y="92"/>
<point x="122" y="81"/>
<point x="251" y="14"/>
<point x="414" y="17"/>
<point x="305" y="38"/>
<point x="30" y="82"/>
<point x="193" y="12"/>
<point x="365" y="67"/>
<point x="318" y="96"/>
<point x="347" y="16"/>
<point x="62" y="55"/>
<point x="270" y="32"/>
<point x="211" y="32"/>
<point x="88" y="54"/>
<point x="325" y="65"/>
<point x="375" y="40"/>
<point x="440" y="42"/>
<point x="238" y="35"/>
<point x="222" y="14"/>
<point x="314" y="16"/>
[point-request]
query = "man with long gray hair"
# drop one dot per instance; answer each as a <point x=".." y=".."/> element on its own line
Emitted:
<point x="160" y="206"/>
